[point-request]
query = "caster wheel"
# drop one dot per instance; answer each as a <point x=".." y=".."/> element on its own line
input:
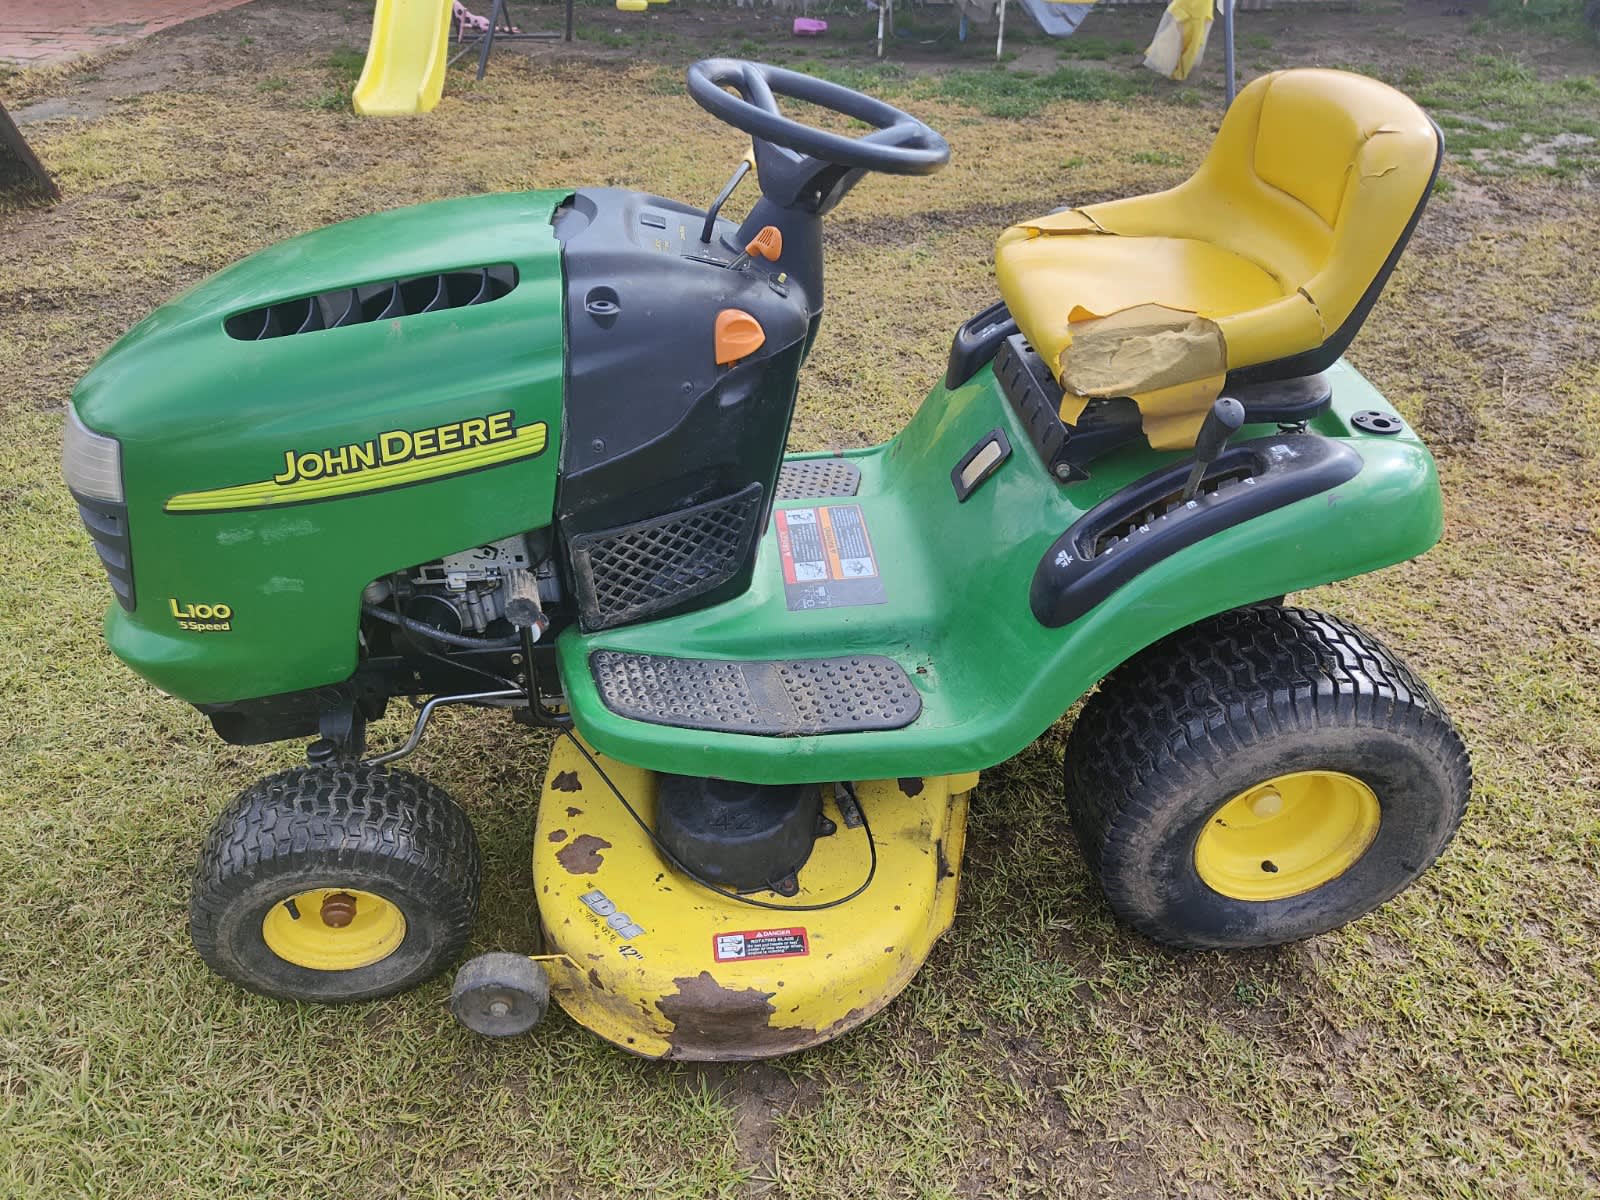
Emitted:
<point x="1260" y="777"/>
<point x="335" y="883"/>
<point x="500" y="995"/>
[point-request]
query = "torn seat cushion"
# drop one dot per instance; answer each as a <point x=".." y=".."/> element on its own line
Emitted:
<point x="1263" y="254"/>
<point x="1056" y="283"/>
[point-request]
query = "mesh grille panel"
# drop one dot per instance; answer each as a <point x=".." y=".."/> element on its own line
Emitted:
<point x="627" y="573"/>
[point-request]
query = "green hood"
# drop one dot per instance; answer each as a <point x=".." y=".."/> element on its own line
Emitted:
<point x="212" y="425"/>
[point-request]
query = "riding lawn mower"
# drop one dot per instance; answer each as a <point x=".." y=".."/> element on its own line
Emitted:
<point x="527" y="452"/>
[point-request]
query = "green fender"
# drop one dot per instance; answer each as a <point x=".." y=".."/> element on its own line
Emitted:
<point x="956" y="578"/>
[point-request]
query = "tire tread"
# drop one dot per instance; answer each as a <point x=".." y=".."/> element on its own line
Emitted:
<point x="331" y="817"/>
<point x="1234" y="680"/>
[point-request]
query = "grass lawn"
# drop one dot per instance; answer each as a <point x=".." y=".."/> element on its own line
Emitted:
<point x="1447" y="1046"/>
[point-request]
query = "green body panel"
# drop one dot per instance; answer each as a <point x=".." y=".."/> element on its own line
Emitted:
<point x="957" y="576"/>
<point x="196" y="409"/>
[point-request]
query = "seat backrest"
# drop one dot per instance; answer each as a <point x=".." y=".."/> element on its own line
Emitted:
<point x="1319" y="176"/>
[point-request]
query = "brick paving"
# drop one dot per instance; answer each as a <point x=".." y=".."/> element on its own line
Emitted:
<point x="36" y="33"/>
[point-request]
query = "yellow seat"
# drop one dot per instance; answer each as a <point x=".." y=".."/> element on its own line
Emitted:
<point x="1263" y="263"/>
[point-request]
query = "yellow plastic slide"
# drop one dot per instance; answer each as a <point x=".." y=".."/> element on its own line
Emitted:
<point x="405" y="59"/>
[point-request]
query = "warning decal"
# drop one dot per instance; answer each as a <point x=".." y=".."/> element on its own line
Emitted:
<point x="827" y="557"/>
<point x="760" y="943"/>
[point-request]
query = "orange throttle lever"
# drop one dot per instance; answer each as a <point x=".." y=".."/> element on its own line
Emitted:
<point x="767" y="244"/>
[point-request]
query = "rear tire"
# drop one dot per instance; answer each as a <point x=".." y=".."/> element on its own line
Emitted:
<point x="335" y="883"/>
<point x="1297" y="713"/>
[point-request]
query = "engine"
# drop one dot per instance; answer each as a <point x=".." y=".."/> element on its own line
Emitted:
<point x="466" y="595"/>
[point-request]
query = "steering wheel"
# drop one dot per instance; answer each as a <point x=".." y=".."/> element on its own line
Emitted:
<point x="898" y="145"/>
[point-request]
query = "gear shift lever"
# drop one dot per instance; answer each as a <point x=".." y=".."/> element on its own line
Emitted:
<point x="1221" y="423"/>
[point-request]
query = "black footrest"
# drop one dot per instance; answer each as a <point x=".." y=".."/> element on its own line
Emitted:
<point x="787" y="698"/>
<point x="817" y="478"/>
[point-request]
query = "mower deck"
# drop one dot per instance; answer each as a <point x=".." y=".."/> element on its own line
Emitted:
<point x="666" y="968"/>
<point x="905" y="570"/>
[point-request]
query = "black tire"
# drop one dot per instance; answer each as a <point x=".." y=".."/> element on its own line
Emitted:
<point x="1213" y="710"/>
<point x="370" y="829"/>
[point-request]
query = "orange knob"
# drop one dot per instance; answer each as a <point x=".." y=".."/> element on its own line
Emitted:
<point x="738" y="335"/>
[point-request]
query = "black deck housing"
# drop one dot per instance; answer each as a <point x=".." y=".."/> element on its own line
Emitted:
<point x="744" y="836"/>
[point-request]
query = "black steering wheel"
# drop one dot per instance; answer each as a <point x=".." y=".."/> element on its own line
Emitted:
<point x="898" y="145"/>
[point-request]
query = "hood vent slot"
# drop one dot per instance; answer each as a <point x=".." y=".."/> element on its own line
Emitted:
<point x="374" y="302"/>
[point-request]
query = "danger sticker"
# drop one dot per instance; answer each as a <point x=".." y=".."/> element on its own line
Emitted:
<point x="828" y="561"/>
<point x="760" y="943"/>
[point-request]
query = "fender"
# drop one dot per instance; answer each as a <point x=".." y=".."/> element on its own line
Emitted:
<point x="1133" y="529"/>
<point x="963" y="586"/>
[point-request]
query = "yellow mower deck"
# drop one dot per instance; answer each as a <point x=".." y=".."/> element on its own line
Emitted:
<point x="661" y="966"/>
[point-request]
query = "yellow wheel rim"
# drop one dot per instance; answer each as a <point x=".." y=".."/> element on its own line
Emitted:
<point x="1287" y="835"/>
<point x="333" y="929"/>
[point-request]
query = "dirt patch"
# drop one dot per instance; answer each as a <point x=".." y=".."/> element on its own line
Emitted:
<point x="759" y="1096"/>
<point x="81" y="108"/>
<point x="1448" y="421"/>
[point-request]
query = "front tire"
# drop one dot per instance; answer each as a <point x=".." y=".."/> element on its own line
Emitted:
<point x="335" y="883"/>
<point x="1263" y="776"/>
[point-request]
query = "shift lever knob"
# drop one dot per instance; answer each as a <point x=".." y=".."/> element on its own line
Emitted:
<point x="1221" y="423"/>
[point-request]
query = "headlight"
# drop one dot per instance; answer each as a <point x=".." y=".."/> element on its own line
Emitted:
<point x="91" y="462"/>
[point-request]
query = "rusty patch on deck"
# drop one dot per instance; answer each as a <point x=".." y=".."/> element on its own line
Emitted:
<point x="582" y="857"/>
<point x="712" y="1023"/>
<point x="558" y="835"/>
<point x="574" y="812"/>
<point x="567" y="781"/>
<point x="715" y="1022"/>
<point x="910" y="785"/>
